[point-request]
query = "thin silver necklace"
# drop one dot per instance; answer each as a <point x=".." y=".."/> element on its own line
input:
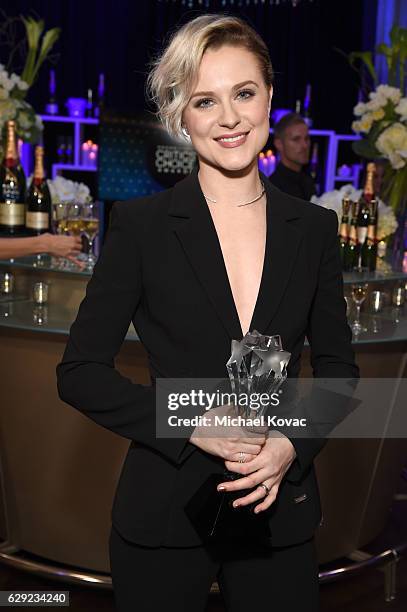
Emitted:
<point x="244" y="203"/>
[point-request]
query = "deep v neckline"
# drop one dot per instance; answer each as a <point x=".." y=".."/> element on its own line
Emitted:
<point x="261" y="280"/>
<point x="193" y="226"/>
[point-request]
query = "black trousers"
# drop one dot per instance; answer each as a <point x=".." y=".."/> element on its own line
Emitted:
<point x="283" y="579"/>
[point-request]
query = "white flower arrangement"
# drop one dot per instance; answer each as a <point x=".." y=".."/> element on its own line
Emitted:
<point x="13" y="107"/>
<point x="384" y="121"/>
<point x="63" y="190"/>
<point x="386" y="220"/>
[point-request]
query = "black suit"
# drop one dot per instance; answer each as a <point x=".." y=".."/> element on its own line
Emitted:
<point x="162" y="268"/>
<point x="298" y="184"/>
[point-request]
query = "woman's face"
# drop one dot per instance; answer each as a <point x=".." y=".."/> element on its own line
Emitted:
<point x="227" y="115"/>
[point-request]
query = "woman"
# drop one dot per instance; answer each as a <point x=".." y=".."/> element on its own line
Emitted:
<point x="194" y="267"/>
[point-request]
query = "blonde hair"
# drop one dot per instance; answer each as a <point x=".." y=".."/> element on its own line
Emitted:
<point x="171" y="79"/>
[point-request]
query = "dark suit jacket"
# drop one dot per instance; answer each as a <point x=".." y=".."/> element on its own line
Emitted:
<point x="162" y="268"/>
<point x="298" y="184"/>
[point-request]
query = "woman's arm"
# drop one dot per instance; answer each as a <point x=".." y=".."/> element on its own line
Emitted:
<point x="20" y="247"/>
<point x="60" y="246"/>
<point x="87" y="378"/>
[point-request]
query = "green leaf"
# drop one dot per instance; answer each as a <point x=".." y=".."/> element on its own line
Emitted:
<point x="36" y="57"/>
<point x="364" y="148"/>
<point x="48" y="42"/>
<point x="366" y="58"/>
<point x="34" y="30"/>
<point x="396" y="188"/>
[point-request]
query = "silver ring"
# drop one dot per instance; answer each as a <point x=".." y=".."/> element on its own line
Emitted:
<point x="242" y="457"/>
<point x="265" y="487"/>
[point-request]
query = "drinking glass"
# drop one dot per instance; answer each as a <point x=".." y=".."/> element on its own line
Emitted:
<point x="74" y="219"/>
<point x="359" y="292"/>
<point x="74" y="226"/>
<point x="59" y="216"/>
<point x="59" y="210"/>
<point x="90" y="226"/>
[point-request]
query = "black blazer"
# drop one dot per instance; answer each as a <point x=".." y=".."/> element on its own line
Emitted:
<point x="162" y="268"/>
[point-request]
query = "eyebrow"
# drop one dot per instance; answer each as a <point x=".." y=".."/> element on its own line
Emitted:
<point x="211" y="93"/>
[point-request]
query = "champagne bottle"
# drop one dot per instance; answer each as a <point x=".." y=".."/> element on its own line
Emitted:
<point x="307" y="106"/>
<point x="12" y="187"/>
<point x="101" y="96"/>
<point x="89" y="104"/>
<point x="351" y="261"/>
<point x="363" y="216"/>
<point x="368" y="190"/>
<point x="369" y="253"/>
<point x="52" y="106"/>
<point x="38" y="215"/>
<point x="343" y="233"/>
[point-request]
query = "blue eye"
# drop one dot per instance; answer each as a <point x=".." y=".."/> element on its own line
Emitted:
<point x="203" y="103"/>
<point x="244" y="94"/>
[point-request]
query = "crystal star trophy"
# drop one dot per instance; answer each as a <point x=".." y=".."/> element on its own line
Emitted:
<point x="257" y="365"/>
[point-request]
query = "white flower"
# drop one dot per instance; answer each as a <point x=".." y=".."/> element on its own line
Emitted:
<point x="4" y="94"/>
<point x="359" y="109"/>
<point x="375" y="103"/>
<point x="386" y="221"/>
<point x="6" y="82"/>
<point x="364" y="124"/>
<point x="64" y="190"/>
<point x="401" y="108"/>
<point x="14" y="78"/>
<point x="391" y="93"/>
<point x="24" y="120"/>
<point x="7" y="109"/>
<point x="392" y="143"/>
<point x="22" y="85"/>
<point x="82" y="193"/>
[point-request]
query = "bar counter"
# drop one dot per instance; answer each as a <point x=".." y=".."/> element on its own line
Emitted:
<point x="59" y="470"/>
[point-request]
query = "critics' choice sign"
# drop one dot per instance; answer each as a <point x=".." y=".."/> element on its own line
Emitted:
<point x="171" y="159"/>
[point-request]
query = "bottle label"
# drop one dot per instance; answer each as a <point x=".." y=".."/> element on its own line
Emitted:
<point x="37" y="220"/>
<point x="343" y="231"/>
<point x="371" y="233"/>
<point x="361" y="232"/>
<point x="10" y="189"/>
<point x="12" y="213"/>
<point x="352" y="235"/>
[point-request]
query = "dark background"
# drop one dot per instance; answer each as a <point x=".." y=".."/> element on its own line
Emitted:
<point x="119" y="38"/>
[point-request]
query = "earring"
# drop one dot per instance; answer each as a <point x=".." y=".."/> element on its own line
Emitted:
<point x="185" y="132"/>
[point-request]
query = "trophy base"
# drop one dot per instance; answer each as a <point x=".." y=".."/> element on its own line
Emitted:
<point x="215" y="519"/>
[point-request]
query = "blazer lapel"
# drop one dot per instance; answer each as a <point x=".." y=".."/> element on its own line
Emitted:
<point x="282" y="243"/>
<point x="196" y="232"/>
<point x="197" y="235"/>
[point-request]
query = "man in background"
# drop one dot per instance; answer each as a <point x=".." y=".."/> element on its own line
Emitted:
<point x="293" y="143"/>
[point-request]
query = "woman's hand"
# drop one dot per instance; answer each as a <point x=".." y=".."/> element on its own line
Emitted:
<point x="268" y="467"/>
<point x="228" y="442"/>
<point x="63" y="246"/>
